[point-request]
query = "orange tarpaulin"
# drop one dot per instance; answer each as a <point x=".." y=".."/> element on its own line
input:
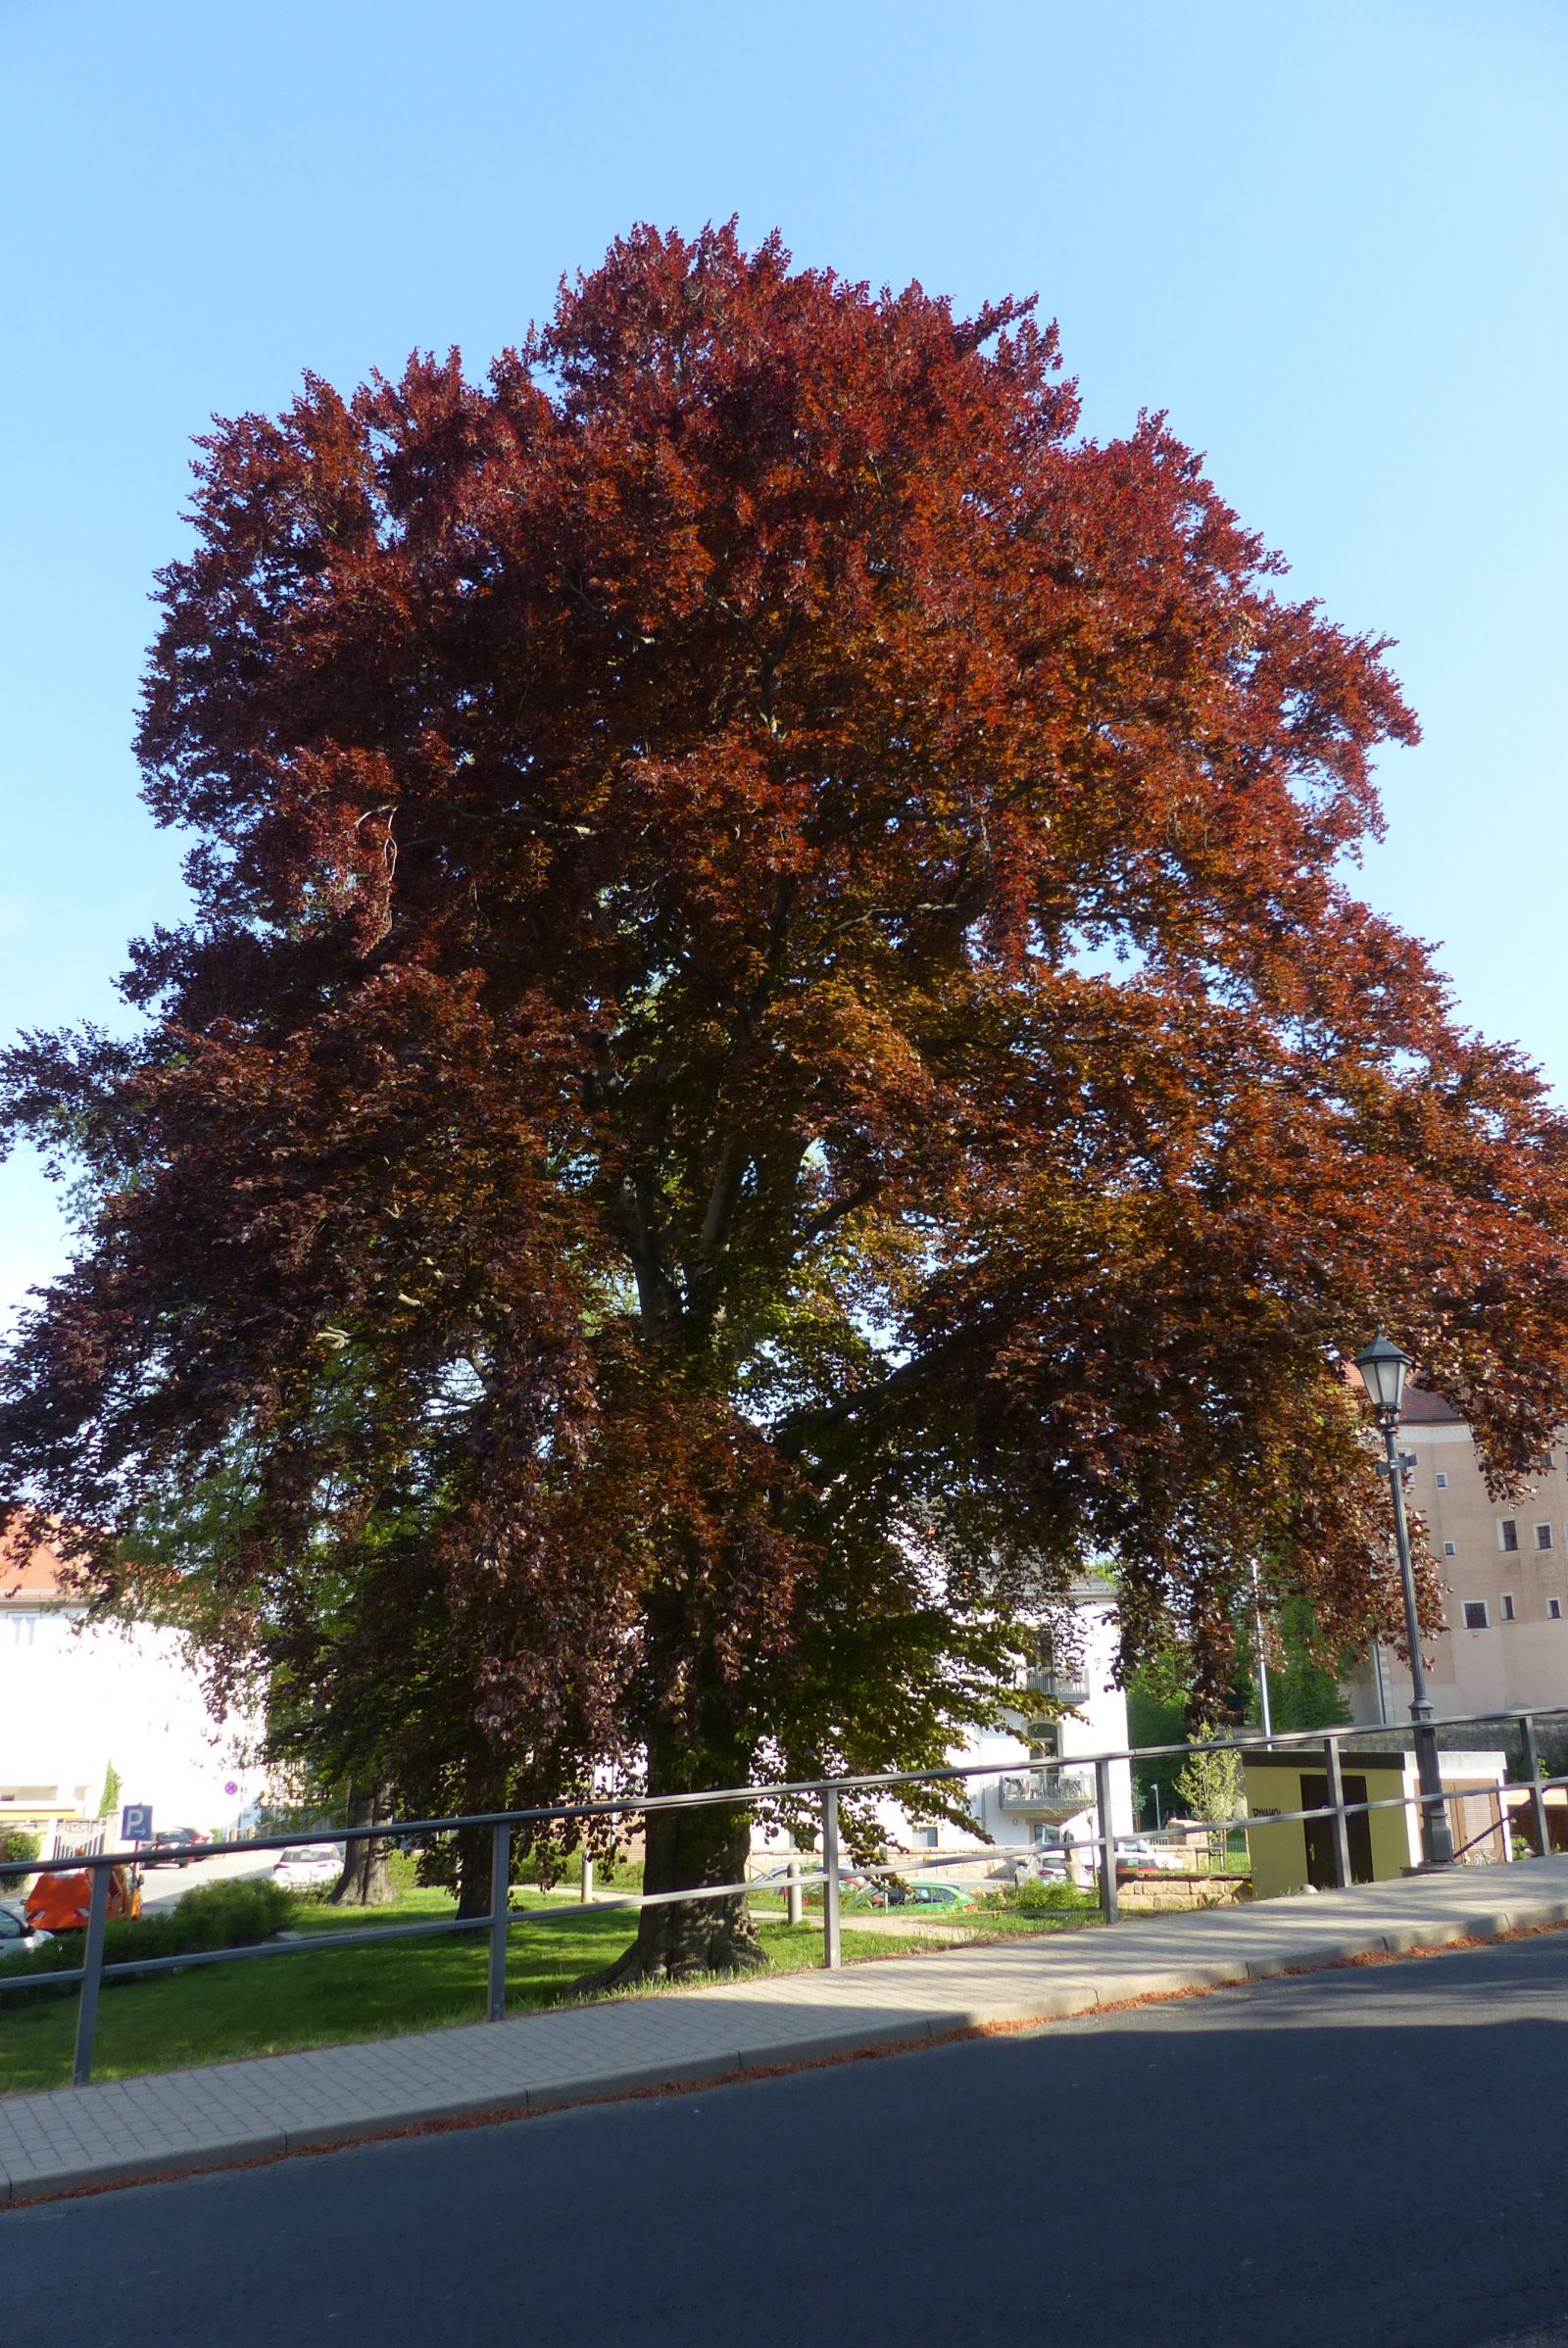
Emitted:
<point x="58" y="1903"/>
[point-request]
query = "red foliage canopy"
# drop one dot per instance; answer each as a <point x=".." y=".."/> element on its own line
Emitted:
<point x="772" y="1041"/>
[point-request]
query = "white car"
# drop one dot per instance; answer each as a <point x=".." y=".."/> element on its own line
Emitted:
<point x="1047" y="1865"/>
<point x="1133" y="1851"/>
<point x="313" y="1866"/>
<point x="16" y="1936"/>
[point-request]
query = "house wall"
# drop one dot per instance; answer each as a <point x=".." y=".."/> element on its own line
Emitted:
<point x="1509" y="1664"/>
<point x="76" y="1697"/>
<point x="1097" y="1724"/>
<point x="1274" y="1784"/>
<point x="1279" y="1852"/>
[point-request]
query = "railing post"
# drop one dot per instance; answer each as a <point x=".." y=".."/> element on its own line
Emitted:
<point x="797" y="1907"/>
<point x="1538" y="1799"/>
<point x="832" y="1950"/>
<point x="1107" y="1843"/>
<point x="500" y="1900"/>
<point x="92" y="1960"/>
<point x="1339" y="1821"/>
<point x="585" y="1895"/>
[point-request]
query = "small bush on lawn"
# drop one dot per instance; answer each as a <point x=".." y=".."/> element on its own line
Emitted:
<point x="1035" y="1898"/>
<point x="234" y="1915"/>
<point x="18" y="1843"/>
<point x="210" y="1916"/>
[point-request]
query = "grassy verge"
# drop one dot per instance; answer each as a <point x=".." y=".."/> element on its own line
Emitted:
<point x="276" y="2004"/>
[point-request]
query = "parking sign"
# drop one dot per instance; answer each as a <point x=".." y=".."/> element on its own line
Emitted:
<point x="137" y="1823"/>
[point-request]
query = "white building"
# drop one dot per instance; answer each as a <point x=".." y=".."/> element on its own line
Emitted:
<point x="76" y="1697"/>
<point x="1044" y="1787"/>
<point x="1042" y="1782"/>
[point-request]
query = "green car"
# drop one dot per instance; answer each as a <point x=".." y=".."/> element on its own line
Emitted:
<point x="938" y="1896"/>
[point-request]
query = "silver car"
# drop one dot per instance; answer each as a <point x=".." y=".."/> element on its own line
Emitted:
<point x="16" y="1936"/>
<point x="313" y="1866"/>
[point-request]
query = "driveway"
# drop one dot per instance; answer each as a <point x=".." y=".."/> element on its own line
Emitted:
<point x="162" y="1886"/>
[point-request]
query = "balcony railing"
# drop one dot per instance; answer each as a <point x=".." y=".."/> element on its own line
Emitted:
<point x="1055" y="1791"/>
<point x="1067" y="1685"/>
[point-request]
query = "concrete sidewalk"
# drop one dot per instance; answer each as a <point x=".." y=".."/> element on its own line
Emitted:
<point x="231" y="2113"/>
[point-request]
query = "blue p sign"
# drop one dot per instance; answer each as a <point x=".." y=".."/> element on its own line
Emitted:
<point x="137" y="1823"/>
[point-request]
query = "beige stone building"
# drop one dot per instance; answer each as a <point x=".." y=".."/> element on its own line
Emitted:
<point x="1504" y="1644"/>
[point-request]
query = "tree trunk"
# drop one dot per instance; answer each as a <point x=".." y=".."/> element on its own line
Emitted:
<point x="686" y="1848"/>
<point x="364" y="1883"/>
<point x="474" y="1869"/>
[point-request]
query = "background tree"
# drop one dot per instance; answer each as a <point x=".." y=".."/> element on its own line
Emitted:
<point x="771" y="1054"/>
<point x="1303" y="1679"/>
<point x="1209" y="1786"/>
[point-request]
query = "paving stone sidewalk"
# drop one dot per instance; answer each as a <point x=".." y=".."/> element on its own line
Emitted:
<point x="230" y="2113"/>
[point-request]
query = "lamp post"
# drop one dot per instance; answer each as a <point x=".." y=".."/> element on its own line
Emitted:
<point x="1383" y="1367"/>
<point x="1265" y="1713"/>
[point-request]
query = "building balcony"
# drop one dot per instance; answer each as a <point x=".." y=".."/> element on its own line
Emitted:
<point x="1067" y="1685"/>
<point x="1047" y="1793"/>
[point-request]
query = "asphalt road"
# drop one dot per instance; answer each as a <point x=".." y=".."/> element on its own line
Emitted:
<point x="1376" y="2155"/>
<point x="163" y="1887"/>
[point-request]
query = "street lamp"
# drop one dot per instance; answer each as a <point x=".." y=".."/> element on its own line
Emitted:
<point x="1383" y="1367"/>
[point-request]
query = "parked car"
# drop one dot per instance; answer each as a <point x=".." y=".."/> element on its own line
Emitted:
<point x="313" y="1866"/>
<point x="1049" y="1865"/>
<point x="938" y="1896"/>
<point x="173" y="1847"/>
<point x="18" y="1937"/>
<point x="1134" y="1853"/>
<point x="849" y="1877"/>
<point x="873" y="1891"/>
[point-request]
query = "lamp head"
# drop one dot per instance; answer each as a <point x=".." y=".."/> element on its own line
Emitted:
<point x="1384" y="1368"/>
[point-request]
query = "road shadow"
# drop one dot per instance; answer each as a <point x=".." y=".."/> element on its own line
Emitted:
<point x="1367" y="2156"/>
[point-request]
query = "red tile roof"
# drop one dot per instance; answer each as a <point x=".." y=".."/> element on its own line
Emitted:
<point x="30" y="1569"/>
<point x="1424" y="1408"/>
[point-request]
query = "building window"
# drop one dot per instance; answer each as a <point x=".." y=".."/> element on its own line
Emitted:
<point x="1555" y="1609"/>
<point x="1443" y="1483"/>
<point x="1448" y="1549"/>
<point x="925" y="1838"/>
<point x="1543" y="1537"/>
<point x="1508" y="1532"/>
<point x="1475" y="1614"/>
<point x="22" y="1627"/>
<point x="1507" y="1606"/>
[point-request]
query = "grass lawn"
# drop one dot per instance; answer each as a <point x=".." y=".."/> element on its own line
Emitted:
<point x="976" y="1922"/>
<point x="272" y="2005"/>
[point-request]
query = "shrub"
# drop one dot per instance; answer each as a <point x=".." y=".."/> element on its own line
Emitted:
<point x="54" y="1956"/>
<point x="18" y="1843"/>
<point x="232" y="1915"/>
<point x="1034" y="1898"/>
<point x="211" y="1915"/>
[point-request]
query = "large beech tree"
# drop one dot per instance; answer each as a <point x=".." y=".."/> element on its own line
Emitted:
<point x="772" y="1052"/>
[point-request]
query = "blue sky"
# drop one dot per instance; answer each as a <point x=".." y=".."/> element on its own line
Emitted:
<point x="1328" y="239"/>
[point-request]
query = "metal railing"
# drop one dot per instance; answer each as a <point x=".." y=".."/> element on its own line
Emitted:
<point x="825" y="1792"/>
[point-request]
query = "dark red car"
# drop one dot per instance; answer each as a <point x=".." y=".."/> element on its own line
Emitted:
<point x="174" y="1846"/>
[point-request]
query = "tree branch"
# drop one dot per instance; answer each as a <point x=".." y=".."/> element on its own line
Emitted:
<point x="817" y="1226"/>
